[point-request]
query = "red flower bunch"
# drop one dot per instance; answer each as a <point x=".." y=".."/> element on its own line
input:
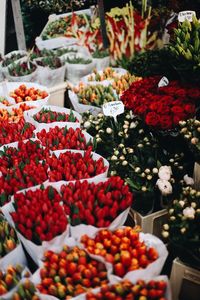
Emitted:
<point x="13" y="132"/>
<point x="122" y="248"/>
<point x="49" y="116"/>
<point x="64" y="138"/>
<point x="23" y="93"/>
<point x="96" y="204"/>
<point x="70" y="273"/>
<point x="161" y="108"/>
<point x="21" y="176"/>
<point x="26" y="152"/>
<point x="73" y="166"/>
<point x="38" y="214"/>
<point x="154" y="289"/>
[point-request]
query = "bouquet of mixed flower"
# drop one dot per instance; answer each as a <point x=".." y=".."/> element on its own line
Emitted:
<point x="182" y="228"/>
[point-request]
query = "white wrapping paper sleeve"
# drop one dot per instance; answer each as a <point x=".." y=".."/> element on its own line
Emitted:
<point x="154" y="268"/>
<point x="118" y="72"/>
<point x="50" y="77"/>
<point x="35" y="251"/>
<point x="81" y="108"/>
<point x="28" y="115"/>
<point x="53" y="43"/>
<point x="47" y="128"/>
<point x="9" y="55"/>
<point x="74" y="72"/>
<point x="168" y="295"/>
<point x="14" y="257"/>
<point x="95" y="157"/>
<point x="8" y="295"/>
<point x="11" y="86"/>
<point x="101" y="63"/>
<point x="79" y="230"/>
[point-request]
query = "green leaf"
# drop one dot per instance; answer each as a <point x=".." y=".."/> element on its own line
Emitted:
<point x="51" y="193"/>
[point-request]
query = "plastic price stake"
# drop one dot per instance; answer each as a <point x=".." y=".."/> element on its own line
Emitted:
<point x="113" y="109"/>
<point x="186" y="15"/>
<point x="163" y="82"/>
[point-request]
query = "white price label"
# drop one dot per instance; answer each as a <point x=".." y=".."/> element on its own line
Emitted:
<point x="163" y="82"/>
<point x="186" y="15"/>
<point x="113" y="108"/>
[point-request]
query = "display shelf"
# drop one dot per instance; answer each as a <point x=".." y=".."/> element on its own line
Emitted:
<point x="57" y="94"/>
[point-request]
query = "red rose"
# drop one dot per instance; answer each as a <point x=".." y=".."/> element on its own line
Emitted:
<point x="152" y="119"/>
<point x="177" y="110"/>
<point x="180" y="93"/>
<point x="163" y="109"/>
<point x="189" y="109"/>
<point x="166" y="122"/>
<point x="194" y="93"/>
<point x="140" y="110"/>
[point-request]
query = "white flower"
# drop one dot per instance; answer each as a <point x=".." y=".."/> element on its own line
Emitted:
<point x="183" y="230"/>
<point x="144" y="189"/>
<point x="114" y="157"/>
<point x="155" y="170"/>
<point x="193" y="204"/>
<point x="188" y="180"/>
<point x="182" y="203"/>
<point x="165" y="172"/>
<point x="189" y="212"/>
<point x="164" y="186"/>
<point x="87" y="124"/>
<point x="133" y="125"/>
<point x="109" y="130"/>
<point x="125" y="163"/>
<point x="165" y="234"/>
<point x="166" y="227"/>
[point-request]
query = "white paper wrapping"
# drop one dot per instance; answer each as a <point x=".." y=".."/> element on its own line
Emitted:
<point x="95" y="156"/>
<point x="118" y="71"/>
<point x="79" y="230"/>
<point x="8" y="55"/>
<point x="14" y="257"/>
<point x="168" y="295"/>
<point x="8" y="295"/>
<point x="151" y="270"/>
<point x="11" y="86"/>
<point x="81" y="108"/>
<point x="74" y="72"/>
<point x="59" y="41"/>
<point x="80" y="50"/>
<point x="47" y="127"/>
<point x="102" y="63"/>
<point x="35" y="251"/>
<point x="50" y="77"/>
<point x="28" y="115"/>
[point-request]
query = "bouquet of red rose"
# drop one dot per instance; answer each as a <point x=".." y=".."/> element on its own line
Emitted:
<point x="161" y="107"/>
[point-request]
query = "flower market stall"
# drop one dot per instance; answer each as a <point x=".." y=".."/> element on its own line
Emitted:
<point x="101" y="199"/>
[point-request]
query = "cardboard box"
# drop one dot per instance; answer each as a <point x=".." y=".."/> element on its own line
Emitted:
<point x="151" y="223"/>
<point x="57" y="94"/>
<point x="185" y="281"/>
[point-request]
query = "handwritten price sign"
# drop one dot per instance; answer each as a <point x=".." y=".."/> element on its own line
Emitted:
<point x="113" y="109"/>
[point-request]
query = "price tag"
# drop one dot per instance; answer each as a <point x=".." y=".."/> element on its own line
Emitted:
<point x="113" y="109"/>
<point x="163" y="82"/>
<point x="186" y="15"/>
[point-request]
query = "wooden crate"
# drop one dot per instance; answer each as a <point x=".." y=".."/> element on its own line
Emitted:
<point x="151" y="223"/>
<point x="185" y="281"/>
